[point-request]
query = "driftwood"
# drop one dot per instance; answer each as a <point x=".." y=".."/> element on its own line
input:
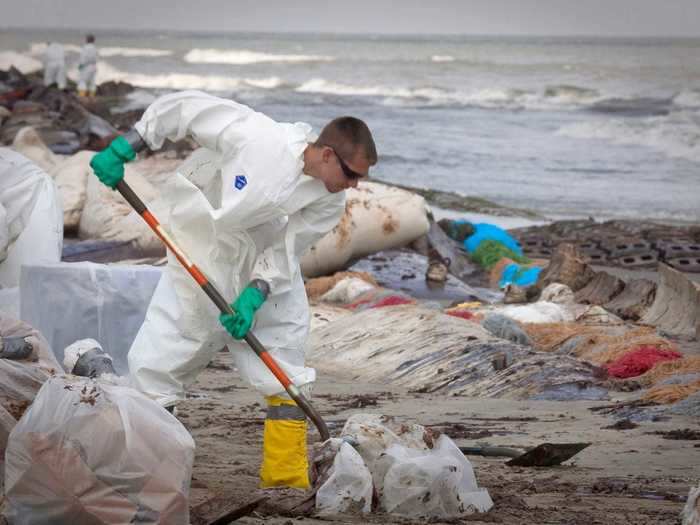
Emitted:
<point x="634" y="301"/>
<point x="566" y="267"/>
<point x="676" y="309"/>
<point x="600" y="290"/>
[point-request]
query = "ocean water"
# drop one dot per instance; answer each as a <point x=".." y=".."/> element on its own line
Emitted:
<point x="569" y="127"/>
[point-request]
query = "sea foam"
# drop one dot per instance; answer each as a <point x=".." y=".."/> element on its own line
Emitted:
<point x="243" y="57"/>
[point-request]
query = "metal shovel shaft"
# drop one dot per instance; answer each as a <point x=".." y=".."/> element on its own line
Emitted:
<point x="303" y="403"/>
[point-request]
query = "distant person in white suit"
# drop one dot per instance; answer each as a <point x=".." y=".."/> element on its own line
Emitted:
<point x="87" y="68"/>
<point x="55" y="65"/>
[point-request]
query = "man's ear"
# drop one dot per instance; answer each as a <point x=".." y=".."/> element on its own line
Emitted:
<point x="326" y="153"/>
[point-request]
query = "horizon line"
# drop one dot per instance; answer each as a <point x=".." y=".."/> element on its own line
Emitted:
<point x="350" y="34"/>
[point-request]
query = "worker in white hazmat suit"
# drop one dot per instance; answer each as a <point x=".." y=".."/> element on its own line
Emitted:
<point x="55" y="65"/>
<point x="244" y="208"/>
<point x="87" y="68"/>
<point x="31" y="217"/>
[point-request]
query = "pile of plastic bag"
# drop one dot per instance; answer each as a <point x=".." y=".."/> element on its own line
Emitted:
<point x="412" y="473"/>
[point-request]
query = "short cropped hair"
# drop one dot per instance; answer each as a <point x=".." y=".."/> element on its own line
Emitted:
<point x="345" y="135"/>
<point x="90" y="39"/>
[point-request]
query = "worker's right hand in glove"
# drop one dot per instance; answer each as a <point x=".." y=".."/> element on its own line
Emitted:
<point x="238" y="324"/>
<point x="108" y="164"/>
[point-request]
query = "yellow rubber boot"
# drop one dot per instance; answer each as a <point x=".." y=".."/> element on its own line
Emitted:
<point x="284" y="446"/>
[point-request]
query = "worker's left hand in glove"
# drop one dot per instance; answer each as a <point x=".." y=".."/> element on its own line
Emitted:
<point x="250" y="300"/>
<point x="108" y="164"/>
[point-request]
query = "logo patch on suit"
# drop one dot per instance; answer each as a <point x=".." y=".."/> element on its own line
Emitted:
<point x="240" y="182"/>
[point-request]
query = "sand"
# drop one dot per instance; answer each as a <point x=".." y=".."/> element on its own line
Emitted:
<point x="625" y="476"/>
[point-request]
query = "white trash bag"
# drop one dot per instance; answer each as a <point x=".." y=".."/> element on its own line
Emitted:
<point x="89" y="452"/>
<point x="434" y="483"/>
<point x="349" y="487"/>
<point x="413" y="473"/>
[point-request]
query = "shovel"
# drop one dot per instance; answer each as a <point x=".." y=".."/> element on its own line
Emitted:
<point x="544" y="455"/>
<point x="137" y="204"/>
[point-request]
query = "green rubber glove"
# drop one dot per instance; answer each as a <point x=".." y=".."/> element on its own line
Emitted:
<point x="108" y="164"/>
<point x="238" y="324"/>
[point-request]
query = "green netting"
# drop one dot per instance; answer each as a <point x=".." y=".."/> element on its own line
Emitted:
<point x="488" y="253"/>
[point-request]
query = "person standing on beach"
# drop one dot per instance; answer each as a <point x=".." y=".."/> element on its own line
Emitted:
<point x="244" y="207"/>
<point x="55" y="65"/>
<point x="87" y="68"/>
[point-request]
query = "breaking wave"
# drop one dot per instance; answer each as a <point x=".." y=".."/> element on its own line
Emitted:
<point x="132" y="52"/>
<point x="243" y="57"/>
<point x="22" y="62"/>
<point x="319" y="85"/>
<point x="676" y="135"/>
<point x="412" y="96"/>
<point x="178" y="81"/>
<point x="442" y="58"/>
<point x="689" y="98"/>
<point x="38" y="48"/>
<point x="560" y="97"/>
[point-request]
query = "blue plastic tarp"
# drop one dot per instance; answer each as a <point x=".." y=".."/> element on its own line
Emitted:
<point x="490" y="232"/>
<point x="515" y="274"/>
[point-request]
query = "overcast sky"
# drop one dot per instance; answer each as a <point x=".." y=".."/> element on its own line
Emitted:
<point x="519" y="17"/>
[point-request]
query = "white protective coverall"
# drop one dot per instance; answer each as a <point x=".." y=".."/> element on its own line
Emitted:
<point x="87" y="68"/>
<point x="55" y="65"/>
<point x="241" y="208"/>
<point x="31" y="217"/>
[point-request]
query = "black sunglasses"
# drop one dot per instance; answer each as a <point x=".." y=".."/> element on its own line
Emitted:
<point x="350" y="174"/>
